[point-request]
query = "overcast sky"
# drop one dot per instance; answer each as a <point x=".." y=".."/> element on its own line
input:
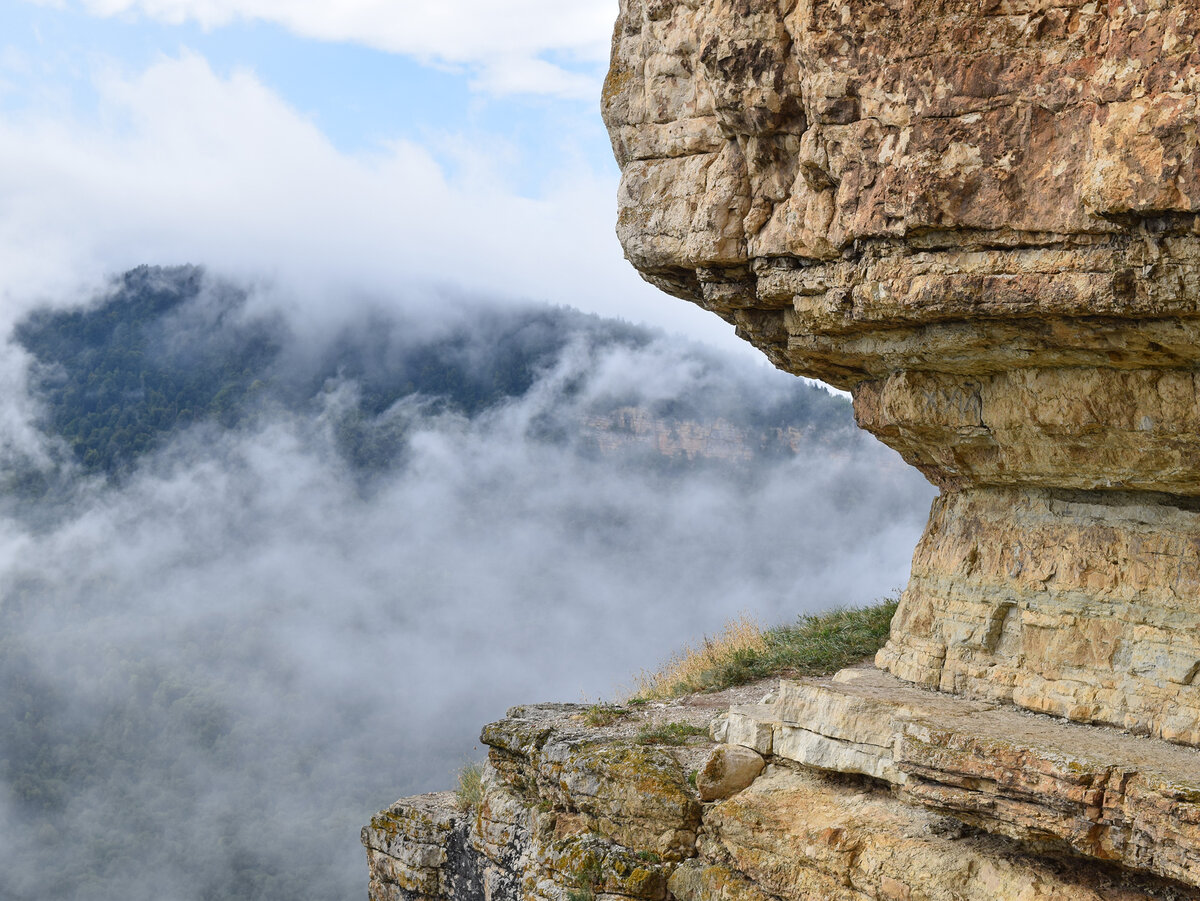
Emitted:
<point x="357" y="145"/>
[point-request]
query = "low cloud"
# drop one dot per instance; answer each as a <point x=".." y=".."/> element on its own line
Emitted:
<point x="181" y="164"/>
<point x="232" y="658"/>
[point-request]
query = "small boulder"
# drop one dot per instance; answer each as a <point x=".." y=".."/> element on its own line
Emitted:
<point x="718" y="727"/>
<point x="728" y="770"/>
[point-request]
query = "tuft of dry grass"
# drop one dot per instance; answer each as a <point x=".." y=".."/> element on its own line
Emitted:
<point x="669" y="734"/>
<point x="603" y="714"/>
<point x="470" y="787"/>
<point x="684" y="672"/>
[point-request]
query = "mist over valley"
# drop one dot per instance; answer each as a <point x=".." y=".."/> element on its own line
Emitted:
<point x="267" y="566"/>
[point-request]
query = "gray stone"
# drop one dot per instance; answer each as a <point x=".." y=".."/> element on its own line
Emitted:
<point x="728" y="770"/>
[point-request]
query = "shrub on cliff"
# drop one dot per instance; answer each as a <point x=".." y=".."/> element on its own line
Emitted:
<point x="469" y="792"/>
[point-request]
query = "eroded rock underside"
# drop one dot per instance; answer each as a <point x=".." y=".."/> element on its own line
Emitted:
<point x="979" y="217"/>
<point x="982" y="218"/>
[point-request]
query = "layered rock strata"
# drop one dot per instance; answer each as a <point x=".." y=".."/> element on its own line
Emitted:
<point x="1051" y="785"/>
<point x="980" y="218"/>
<point x="955" y="801"/>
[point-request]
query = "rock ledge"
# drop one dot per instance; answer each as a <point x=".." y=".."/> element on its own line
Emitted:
<point x="873" y="791"/>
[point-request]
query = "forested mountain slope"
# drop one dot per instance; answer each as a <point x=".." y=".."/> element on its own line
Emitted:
<point x="169" y="348"/>
<point x="264" y="566"/>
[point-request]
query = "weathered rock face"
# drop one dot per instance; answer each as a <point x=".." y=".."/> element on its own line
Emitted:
<point x="1085" y="606"/>
<point x="981" y="218"/>
<point x="1049" y="785"/>
<point x="873" y="790"/>
<point x="571" y="811"/>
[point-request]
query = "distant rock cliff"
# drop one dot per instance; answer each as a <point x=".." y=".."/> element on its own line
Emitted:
<point x="982" y="218"/>
<point x="636" y="428"/>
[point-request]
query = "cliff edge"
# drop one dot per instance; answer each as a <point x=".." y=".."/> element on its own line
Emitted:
<point x="981" y="218"/>
<point x="851" y="788"/>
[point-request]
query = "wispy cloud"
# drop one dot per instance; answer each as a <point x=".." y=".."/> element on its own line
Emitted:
<point x="241" y="652"/>
<point x="178" y="163"/>
<point x="495" y="40"/>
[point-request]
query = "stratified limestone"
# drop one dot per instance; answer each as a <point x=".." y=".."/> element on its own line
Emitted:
<point x="417" y="850"/>
<point x="630" y="793"/>
<point x="982" y="219"/>
<point x="1084" y="605"/>
<point x="797" y="836"/>
<point x="569" y="814"/>
<point x="1100" y="793"/>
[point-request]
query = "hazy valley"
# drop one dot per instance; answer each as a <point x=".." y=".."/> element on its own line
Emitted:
<point x="265" y="568"/>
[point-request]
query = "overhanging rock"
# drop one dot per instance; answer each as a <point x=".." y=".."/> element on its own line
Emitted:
<point x="981" y="219"/>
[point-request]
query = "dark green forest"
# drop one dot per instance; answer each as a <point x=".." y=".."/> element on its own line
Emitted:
<point x="169" y="348"/>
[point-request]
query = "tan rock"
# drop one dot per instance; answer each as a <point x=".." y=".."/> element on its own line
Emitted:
<point x="1107" y="795"/>
<point x="728" y="770"/>
<point x="1086" y="606"/>
<point x="749" y="731"/>
<point x="409" y="850"/>
<point x="540" y="834"/>
<point x="982" y="219"/>
<point x="632" y="794"/>
<point x="797" y="836"/>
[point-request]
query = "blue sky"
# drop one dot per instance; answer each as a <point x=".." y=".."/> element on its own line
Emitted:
<point x="360" y="96"/>
<point x="366" y="146"/>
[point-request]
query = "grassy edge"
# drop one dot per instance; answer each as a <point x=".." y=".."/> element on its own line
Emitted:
<point x="815" y="645"/>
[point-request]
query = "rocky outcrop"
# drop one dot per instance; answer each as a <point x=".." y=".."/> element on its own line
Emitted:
<point x="901" y="795"/>
<point x="571" y="810"/>
<point x="795" y="835"/>
<point x="1081" y="605"/>
<point x="983" y="220"/>
<point x="1050" y="785"/>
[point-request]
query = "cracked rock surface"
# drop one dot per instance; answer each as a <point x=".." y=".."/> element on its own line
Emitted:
<point x="578" y="812"/>
<point x="980" y="218"/>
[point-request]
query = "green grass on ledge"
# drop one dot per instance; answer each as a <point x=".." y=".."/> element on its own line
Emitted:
<point x="469" y="792"/>
<point x="816" y="645"/>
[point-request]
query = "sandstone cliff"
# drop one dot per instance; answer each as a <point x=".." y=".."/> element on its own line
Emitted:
<point x="982" y="218"/>
<point x="871" y="792"/>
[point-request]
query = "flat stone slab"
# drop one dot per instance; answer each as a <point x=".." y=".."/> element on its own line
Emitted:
<point x="1094" y="790"/>
<point x="796" y="835"/>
